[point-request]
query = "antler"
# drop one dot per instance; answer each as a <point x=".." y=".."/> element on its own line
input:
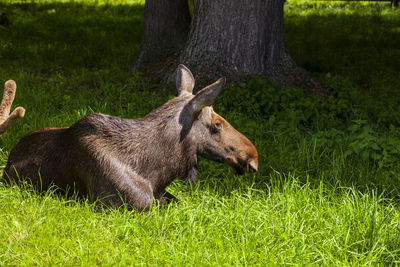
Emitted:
<point x="7" y="119"/>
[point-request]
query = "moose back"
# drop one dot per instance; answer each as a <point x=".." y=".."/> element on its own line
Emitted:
<point x="118" y="160"/>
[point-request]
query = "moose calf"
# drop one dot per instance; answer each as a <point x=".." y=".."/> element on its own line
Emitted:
<point x="117" y="159"/>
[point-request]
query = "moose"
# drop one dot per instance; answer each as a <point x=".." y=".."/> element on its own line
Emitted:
<point x="133" y="161"/>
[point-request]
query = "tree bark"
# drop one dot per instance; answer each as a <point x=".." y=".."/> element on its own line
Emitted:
<point x="228" y="37"/>
<point x="241" y="37"/>
<point x="231" y="38"/>
<point x="166" y="26"/>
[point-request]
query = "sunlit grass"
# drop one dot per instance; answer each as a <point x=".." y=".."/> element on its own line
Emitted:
<point x="333" y="3"/>
<point x="285" y="222"/>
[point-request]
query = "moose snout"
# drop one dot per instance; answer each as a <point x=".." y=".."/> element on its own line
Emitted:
<point x="246" y="162"/>
<point x="251" y="158"/>
<point x="252" y="166"/>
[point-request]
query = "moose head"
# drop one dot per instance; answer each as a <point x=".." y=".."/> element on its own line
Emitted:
<point x="215" y="138"/>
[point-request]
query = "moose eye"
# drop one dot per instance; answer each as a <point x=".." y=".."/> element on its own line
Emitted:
<point x="218" y="125"/>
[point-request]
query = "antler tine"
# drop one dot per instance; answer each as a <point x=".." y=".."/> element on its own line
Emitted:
<point x="7" y="119"/>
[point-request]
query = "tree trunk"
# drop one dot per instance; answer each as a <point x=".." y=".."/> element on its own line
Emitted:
<point x="166" y="26"/>
<point x="241" y="37"/>
<point x="228" y="37"/>
<point x="231" y="38"/>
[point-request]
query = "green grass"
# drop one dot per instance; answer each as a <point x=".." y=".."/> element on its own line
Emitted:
<point x="284" y="223"/>
<point x="328" y="187"/>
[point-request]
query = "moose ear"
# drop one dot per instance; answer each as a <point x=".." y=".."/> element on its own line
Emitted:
<point x="206" y="97"/>
<point x="184" y="80"/>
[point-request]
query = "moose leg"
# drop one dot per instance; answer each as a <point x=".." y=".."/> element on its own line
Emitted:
<point x="122" y="185"/>
<point x="136" y="191"/>
<point x="166" y="198"/>
<point x="192" y="174"/>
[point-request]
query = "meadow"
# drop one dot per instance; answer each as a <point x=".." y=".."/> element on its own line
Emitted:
<point x="328" y="187"/>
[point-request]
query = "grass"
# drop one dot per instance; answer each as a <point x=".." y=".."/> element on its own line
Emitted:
<point x="327" y="191"/>
<point x="285" y="223"/>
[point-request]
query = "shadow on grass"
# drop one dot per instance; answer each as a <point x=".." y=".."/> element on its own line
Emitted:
<point x="358" y="41"/>
<point x="63" y="37"/>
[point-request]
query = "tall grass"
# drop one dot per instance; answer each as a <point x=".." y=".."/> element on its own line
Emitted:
<point x="284" y="222"/>
<point x="327" y="189"/>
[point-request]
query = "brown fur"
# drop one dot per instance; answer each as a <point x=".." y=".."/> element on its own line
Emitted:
<point x="108" y="157"/>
